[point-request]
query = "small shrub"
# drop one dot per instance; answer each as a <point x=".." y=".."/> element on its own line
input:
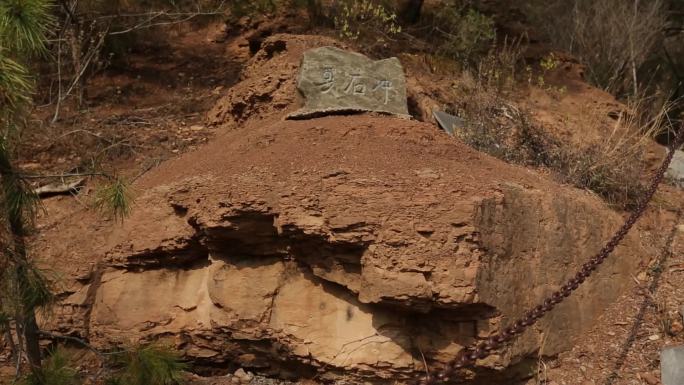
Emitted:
<point x="498" y="70"/>
<point x="614" y="38"/>
<point x="612" y="168"/>
<point x="115" y="199"/>
<point x="239" y="8"/>
<point x="608" y="169"/>
<point x="148" y="365"/>
<point x="363" y="18"/>
<point x="467" y="33"/>
<point x="55" y="371"/>
<point x="506" y="132"/>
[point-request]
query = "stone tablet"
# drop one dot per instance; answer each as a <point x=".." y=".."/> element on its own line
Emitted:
<point x="333" y="80"/>
<point x="672" y="365"/>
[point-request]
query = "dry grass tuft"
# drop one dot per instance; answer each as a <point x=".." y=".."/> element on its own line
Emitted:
<point x="613" y="168"/>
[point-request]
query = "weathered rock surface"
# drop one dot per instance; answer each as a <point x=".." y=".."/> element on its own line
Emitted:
<point x="333" y="80"/>
<point x="342" y="247"/>
<point x="383" y="240"/>
<point x="676" y="170"/>
<point x="672" y="365"/>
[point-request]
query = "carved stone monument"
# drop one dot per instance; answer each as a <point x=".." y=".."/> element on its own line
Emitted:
<point x="333" y="80"/>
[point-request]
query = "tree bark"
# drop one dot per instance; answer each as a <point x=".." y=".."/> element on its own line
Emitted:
<point x="26" y="316"/>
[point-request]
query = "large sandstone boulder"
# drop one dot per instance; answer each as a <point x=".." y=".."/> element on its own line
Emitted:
<point x="345" y="247"/>
<point x="349" y="246"/>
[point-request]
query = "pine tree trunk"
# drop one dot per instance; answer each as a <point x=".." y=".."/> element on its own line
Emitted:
<point x="30" y="325"/>
<point x="26" y="315"/>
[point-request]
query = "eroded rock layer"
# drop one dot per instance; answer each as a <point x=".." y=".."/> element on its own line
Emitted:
<point x="348" y="245"/>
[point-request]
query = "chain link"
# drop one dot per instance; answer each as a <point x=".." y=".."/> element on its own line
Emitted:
<point x="469" y="355"/>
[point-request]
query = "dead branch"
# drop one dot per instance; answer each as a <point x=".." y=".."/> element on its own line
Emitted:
<point x="74" y="339"/>
<point x="59" y="188"/>
<point x="148" y="22"/>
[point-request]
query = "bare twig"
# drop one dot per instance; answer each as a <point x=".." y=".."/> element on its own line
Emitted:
<point x="92" y="53"/>
<point x="148" y="24"/>
<point x="87" y="132"/>
<point x="59" y="81"/>
<point x="427" y="369"/>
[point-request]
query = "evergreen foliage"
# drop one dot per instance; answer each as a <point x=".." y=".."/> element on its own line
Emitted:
<point x="55" y="371"/>
<point x="24" y="25"/>
<point x="148" y="365"/>
<point x="115" y="199"/>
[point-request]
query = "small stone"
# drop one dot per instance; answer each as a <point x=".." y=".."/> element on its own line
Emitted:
<point x="676" y="170"/>
<point x="196" y="128"/>
<point x="654" y="337"/>
<point x="448" y="122"/>
<point x="241" y="374"/>
<point x="427" y="173"/>
<point x="672" y="365"/>
<point x="649" y="378"/>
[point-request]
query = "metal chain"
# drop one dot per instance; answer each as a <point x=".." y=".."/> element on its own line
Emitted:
<point x="469" y="355"/>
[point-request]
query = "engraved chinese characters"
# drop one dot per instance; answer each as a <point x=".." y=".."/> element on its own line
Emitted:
<point x="333" y="80"/>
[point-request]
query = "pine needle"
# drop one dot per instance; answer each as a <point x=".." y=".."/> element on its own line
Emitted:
<point x="56" y="370"/>
<point x="149" y="365"/>
<point x="16" y="197"/>
<point x="15" y="86"/>
<point x="28" y="288"/>
<point x="24" y="24"/>
<point x="115" y="199"/>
